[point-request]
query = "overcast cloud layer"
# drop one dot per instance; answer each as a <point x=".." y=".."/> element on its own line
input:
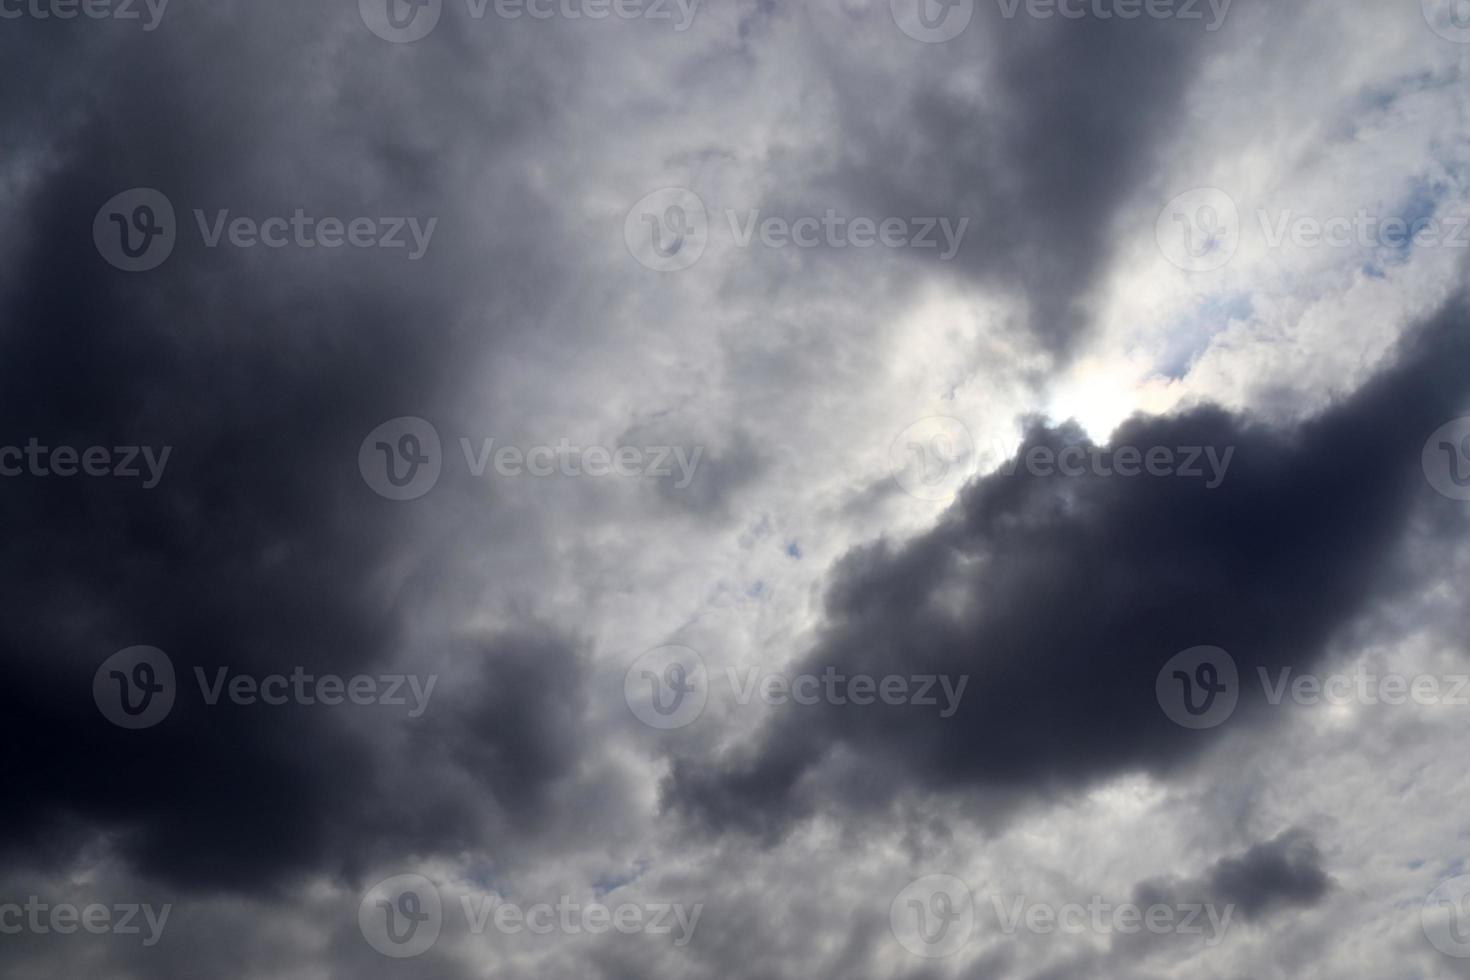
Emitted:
<point x="657" y="488"/>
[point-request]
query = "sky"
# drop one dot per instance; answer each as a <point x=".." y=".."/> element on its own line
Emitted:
<point x="894" y="489"/>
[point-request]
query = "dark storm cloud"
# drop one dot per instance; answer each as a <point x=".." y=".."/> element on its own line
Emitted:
<point x="261" y="549"/>
<point x="1063" y="597"/>
<point x="1271" y="876"/>
<point x="1067" y="124"/>
<point x="515" y="725"/>
<point x="1284" y="871"/>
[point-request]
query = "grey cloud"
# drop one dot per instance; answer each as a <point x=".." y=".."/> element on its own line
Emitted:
<point x="1286" y="871"/>
<point x="262" y="548"/>
<point x="1064" y="129"/>
<point x="1062" y="598"/>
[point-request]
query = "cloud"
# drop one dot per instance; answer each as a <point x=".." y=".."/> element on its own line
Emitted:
<point x="527" y="321"/>
<point x="1284" y="871"/>
<point x="1061" y="598"/>
<point x="261" y="550"/>
<point x="1041" y="130"/>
